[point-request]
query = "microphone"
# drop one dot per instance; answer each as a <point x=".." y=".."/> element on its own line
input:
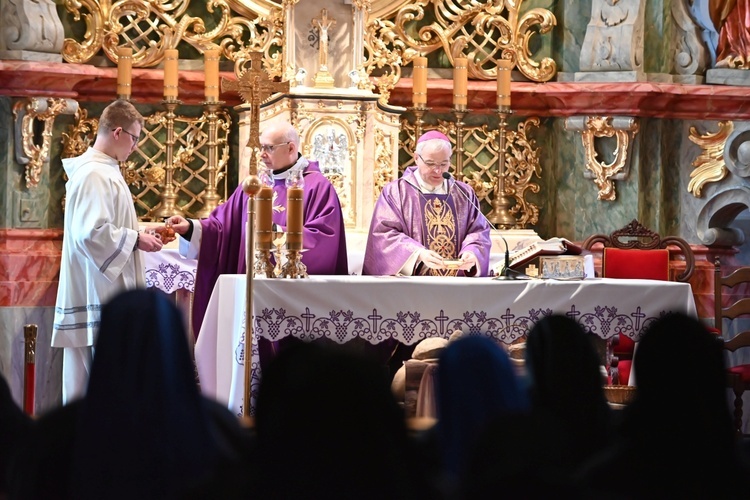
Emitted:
<point x="506" y="270"/>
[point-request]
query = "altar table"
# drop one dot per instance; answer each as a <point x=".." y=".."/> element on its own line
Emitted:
<point x="168" y="271"/>
<point x="410" y="309"/>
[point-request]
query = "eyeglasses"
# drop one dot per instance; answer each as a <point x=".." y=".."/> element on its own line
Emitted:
<point x="431" y="165"/>
<point x="135" y="137"/>
<point x="268" y="148"/>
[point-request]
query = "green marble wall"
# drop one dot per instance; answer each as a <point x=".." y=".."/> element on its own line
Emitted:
<point x="658" y="37"/>
<point x="572" y="19"/>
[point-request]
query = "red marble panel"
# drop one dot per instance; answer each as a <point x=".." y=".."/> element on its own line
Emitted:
<point x="29" y="266"/>
<point x="28" y="293"/>
<point x="653" y="99"/>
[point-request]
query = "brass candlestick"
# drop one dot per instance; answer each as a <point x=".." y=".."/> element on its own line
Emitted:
<point x="460" y="112"/>
<point x="263" y="265"/>
<point x="419" y="113"/>
<point x="168" y="205"/>
<point x="500" y="215"/>
<point x="211" y="197"/>
<point x="293" y="268"/>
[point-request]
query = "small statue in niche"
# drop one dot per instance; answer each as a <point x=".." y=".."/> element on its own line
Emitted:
<point x="730" y="18"/>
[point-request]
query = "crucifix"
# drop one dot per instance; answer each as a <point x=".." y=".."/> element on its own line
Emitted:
<point x="323" y="78"/>
<point x="254" y="86"/>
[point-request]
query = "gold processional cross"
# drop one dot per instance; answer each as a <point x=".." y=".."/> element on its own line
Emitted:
<point x="254" y="87"/>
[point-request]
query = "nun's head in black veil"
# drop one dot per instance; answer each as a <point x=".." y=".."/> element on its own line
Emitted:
<point x="142" y="430"/>
<point x="680" y="364"/>
<point x="564" y="368"/>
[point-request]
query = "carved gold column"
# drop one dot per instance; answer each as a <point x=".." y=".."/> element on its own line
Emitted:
<point x="500" y="216"/>
<point x="168" y="205"/>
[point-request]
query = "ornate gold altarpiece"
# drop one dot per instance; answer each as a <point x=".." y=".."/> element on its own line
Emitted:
<point x="342" y="61"/>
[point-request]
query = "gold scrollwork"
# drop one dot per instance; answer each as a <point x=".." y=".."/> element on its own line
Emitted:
<point x="522" y="166"/>
<point x="150" y="27"/>
<point x="383" y="173"/>
<point x="144" y="173"/>
<point x="472" y="28"/>
<point x="480" y="161"/>
<point x="44" y="110"/>
<point x="709" y="165"/>
<point x="601" y="126"/>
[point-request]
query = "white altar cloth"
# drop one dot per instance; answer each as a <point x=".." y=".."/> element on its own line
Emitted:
<point x="410" y="309"/>
<point x="168" y="271"/>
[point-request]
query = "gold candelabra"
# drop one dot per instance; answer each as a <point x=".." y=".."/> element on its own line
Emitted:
<point x="168" y="205"/>
<point x="500" y="215"/>
<point x="460" y="112"/>
<point x="211" y="197"/>
<point x="293" y="268"/>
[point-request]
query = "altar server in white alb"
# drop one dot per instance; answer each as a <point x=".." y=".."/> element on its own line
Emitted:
<point x="100" y="254"/>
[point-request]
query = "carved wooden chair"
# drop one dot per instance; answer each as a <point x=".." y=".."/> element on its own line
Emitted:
<point x="732" y="301"/>
<point x="635" y="251"/>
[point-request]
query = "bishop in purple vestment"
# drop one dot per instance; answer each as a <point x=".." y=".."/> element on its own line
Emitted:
<point x="423" y="219"/>
<point x="220" y="246"/>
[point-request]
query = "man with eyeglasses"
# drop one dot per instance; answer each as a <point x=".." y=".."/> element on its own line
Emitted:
<point x="219" y="241"/>
<point x="426" y="222"/>
<point x="101" y="242"/>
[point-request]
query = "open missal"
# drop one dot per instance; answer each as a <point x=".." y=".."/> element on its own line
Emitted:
<point x="525" y="253"/>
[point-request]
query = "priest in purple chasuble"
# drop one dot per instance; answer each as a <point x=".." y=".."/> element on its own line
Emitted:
<point x="219" y="241"/>
<point x="423" y="218"/>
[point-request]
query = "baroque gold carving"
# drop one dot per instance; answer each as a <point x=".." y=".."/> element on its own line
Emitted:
<point x="601" y="126"/>
<point x="480" y="160"/>
<point x="709" y="165"/>
<point x="81" y="136"/>
<point x="521" y="168"/>
<point x="472" y="28"/>
<point x="150" y="27"/>
<point x="144" y="172"/>
<point x="383" y="172"/>
<point x="27" y="112"/>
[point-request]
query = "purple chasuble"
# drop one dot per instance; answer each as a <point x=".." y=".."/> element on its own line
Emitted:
<point x="406" y="220"/>
<point x="222" y="249"/>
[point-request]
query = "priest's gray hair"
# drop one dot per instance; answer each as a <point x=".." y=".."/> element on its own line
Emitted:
<point x="287" y="133"/>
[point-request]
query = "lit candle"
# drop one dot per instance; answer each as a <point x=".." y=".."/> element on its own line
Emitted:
<point x="294" y="218"/>
<point x="170" y="74"/>
<point x="460" y="82"/>
<point x="419" y="97"/>
<point x="124" y="71"/>
<point x="504" y="67"/>
<point x="264" y="217"/>
<point x="211" y="64"/>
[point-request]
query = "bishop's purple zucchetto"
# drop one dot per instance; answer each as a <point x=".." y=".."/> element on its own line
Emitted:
<point x="433" y="134"/>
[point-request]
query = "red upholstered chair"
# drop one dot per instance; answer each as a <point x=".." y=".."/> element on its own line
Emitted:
<point x="731" y="301"/>
<point x="639" y="253"/>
